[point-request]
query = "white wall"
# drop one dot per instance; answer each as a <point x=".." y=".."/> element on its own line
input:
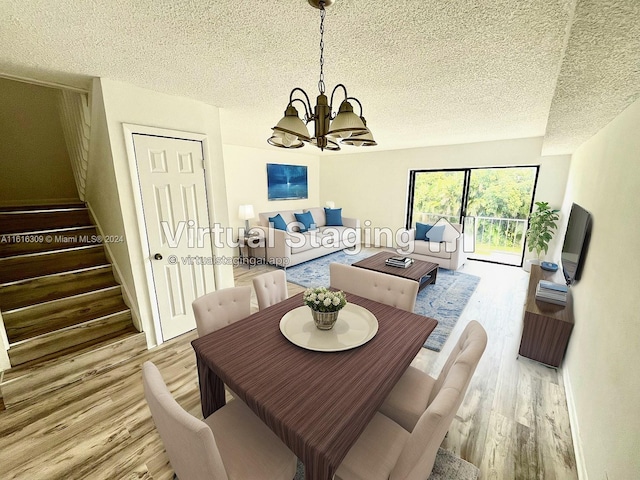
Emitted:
<point x="110" y="191"/>
<point x="246" y="178"/>
<point x="373" y="185"/>
<point x="33" y="154"/>
<point x="603" y="385"/>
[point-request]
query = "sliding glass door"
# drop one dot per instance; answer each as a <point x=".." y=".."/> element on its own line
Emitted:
<point x="437" y="194"/>
<point x="493" y="205"/>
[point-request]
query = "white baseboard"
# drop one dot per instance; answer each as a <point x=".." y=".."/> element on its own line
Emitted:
<point x="575" y="429"/>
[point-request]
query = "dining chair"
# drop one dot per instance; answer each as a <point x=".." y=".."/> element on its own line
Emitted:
<point x="221" y="308"/>
<point x="386" y="450"/>
<point x="415" y="390"/>
<point x="232" y="443"/>
<point x="388" y="289"/>
<point x="270" y="288"/>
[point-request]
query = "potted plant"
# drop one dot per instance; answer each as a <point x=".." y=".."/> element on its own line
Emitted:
<point x="542" y="226"/>
<point x="325" y="305"/>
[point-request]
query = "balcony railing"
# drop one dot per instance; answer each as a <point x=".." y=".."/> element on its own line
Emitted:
<point x="493" y="236"/>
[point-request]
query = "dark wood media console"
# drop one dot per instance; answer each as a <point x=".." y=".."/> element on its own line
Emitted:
<point x="547" y="327"/>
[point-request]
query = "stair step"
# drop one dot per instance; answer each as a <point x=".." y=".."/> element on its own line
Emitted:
<point x="32" y="321"/>
<point x="67" y="340"/>
<point x="58" y="285"/>
<point x="33" y="265"/>
<point x="27" y="382"/>
<point x="47" y="240"/>
<point x="45" y="207"/>
<point x="29" y="220"/>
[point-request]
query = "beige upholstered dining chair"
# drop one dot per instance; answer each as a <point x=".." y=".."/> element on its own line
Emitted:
<point x="232" y="443"/>
<point x="386" y="450"/>
<point x="388" y="289"/>
<point x="221" y="308"/>
<point x="415" y="390"/>
<point x="270" y="288"/>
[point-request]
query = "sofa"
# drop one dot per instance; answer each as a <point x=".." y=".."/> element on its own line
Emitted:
<point x="285" y="248"/>
<point x="448" y="253"/>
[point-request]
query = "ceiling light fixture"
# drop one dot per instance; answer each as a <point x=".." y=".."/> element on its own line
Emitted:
<point x="346" y="126"/>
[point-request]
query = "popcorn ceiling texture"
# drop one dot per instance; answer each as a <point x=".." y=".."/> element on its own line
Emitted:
<point x="600" y="75"/>
<point x="427" y="72"/>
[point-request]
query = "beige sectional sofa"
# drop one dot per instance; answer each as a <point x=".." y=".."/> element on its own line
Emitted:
<point x="448" y="254"/>
<point x="291" y="247"/>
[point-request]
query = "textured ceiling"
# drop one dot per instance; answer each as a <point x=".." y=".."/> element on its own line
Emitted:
<point x="427" y="72"/>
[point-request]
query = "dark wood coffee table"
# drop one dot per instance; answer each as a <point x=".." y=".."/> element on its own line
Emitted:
<point x="424" y="273"/>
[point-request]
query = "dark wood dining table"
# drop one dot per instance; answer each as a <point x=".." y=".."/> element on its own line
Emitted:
<point x="318" y="403"/>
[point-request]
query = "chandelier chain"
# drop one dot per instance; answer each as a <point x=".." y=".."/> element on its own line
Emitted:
<point x="322" y="15"/>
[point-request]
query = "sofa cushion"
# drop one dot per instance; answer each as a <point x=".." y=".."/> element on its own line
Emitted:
<point x="304" y="241"/>
<point x="287" y="215"/>
<point x="435" y="233"/>
<point x="318" y="215"/>
<point x="433" y="249"/>
<point x="307" y="221"/>
<point x="278" y="222"/>
<point x="421" y="230"/>
<point x="334" y="216"/>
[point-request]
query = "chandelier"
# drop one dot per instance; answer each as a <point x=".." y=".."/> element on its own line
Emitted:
<point x="344" y="126"/>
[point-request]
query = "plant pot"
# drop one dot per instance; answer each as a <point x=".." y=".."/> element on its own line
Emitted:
<point x="324" y="320"/>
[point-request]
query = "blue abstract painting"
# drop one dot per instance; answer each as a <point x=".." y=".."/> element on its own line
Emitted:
<point x="287" y="182"/>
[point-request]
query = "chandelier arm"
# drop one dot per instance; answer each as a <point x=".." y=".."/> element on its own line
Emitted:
<point x="308" y="104"/>
<point x="358" y="102"/>
<point x="334" y="91"/>
<point x="307" y="118"/>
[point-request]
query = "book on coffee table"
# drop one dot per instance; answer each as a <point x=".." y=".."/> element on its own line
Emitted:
<point x="402" y="262"/>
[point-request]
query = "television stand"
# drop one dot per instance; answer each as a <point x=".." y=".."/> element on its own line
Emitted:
<point x="546" y="326"/>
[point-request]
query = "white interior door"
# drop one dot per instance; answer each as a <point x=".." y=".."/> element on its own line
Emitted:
<point x="174" y="202"/>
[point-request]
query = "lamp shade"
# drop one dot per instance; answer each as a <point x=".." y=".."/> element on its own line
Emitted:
<point x="346" y="123"/>
<point x="245" y="212"/>
<point x="365" y="140"/>
<point x="290" y="131"/>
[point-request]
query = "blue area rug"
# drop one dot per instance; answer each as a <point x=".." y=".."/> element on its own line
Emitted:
<point x="443" y="301"/>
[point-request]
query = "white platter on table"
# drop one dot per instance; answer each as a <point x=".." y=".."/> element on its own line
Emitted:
<point x="355" y="326"/>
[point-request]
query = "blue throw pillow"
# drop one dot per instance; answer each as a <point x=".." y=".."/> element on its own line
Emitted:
<point x="278" y="222"/>
<point x="307" y="221"/>
<point x="421" y="230"/>
<point x="334" y="216"/>
<point x="435" y="234"/>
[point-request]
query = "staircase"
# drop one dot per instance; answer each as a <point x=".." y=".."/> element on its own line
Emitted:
<point x="62" y="308"/>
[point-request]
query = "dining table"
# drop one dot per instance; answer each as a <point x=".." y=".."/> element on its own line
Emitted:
<point x="317" y="402"/>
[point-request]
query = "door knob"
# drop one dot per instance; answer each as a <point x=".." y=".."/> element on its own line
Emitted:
<point x="157" y="256"/>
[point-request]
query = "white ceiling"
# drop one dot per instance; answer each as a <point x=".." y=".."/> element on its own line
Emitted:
<point x="427" y="72"/>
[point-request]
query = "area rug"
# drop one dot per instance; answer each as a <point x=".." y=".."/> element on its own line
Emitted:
<point x="447" y="466"/>
<point x="443" y="301"/>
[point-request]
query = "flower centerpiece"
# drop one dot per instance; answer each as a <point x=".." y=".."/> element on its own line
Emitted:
<point x="325" y="305"/>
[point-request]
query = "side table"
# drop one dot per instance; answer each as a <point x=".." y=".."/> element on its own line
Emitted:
<point x="546" y="327"/>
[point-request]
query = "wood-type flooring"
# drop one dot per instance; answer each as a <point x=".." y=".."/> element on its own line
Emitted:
<point x="513" y="423"/>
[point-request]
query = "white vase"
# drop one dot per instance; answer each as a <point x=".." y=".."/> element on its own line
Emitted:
<point x="529" y="262"/>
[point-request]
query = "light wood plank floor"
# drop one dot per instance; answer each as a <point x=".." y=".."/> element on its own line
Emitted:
<point x="513" y="423"/>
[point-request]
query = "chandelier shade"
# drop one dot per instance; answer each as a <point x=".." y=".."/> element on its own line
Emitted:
<point x="364" y="140"/>
<point x="292" y="132"/>
<point x="346" y="123"/>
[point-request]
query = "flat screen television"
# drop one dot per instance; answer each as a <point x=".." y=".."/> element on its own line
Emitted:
<point x="286" y="182"/>
<point x="575" y="243"/>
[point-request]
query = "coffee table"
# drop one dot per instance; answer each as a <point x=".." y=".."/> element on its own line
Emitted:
<point x="424" y="273"/>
